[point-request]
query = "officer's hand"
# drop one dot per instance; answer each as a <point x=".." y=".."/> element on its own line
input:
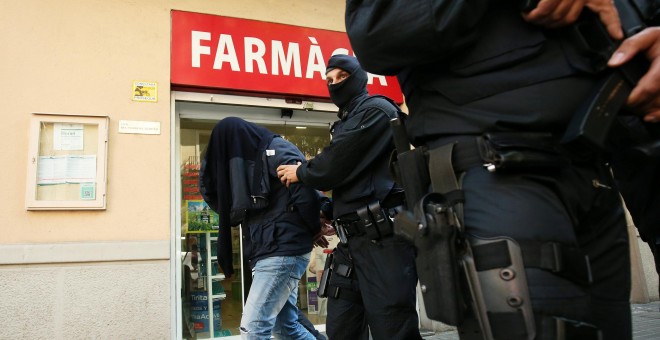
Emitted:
<point x="287" y="173"/>
<point x="326" y="227"/>
<point x="326" y="230"/>
<point x="645" y="97"/>
<point x="559" y="13"/>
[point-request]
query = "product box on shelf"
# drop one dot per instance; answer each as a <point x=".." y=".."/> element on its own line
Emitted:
<point x="199" y="311"/>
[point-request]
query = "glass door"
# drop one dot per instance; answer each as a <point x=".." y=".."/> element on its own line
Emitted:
<point x="206" y="294"/>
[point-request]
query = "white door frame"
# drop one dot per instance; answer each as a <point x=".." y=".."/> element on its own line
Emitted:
<point x="306" y="112"/>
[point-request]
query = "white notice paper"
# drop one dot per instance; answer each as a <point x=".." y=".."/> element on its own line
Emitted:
<point x="68" y="136"/>
<point x="66" y="169"/>
<point x="51" y="170"/>
<point x="81" y="169"/>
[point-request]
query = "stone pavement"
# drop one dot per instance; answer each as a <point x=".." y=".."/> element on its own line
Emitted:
<point x="646" y="321"/>
<point x="645" y="318"/>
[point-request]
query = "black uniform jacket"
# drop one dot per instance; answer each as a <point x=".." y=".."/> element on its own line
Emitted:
<point x="468" y="67"/>
<point x="355" y="164"/>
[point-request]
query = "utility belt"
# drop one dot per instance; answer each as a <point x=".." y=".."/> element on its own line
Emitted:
<point x="372" y="220"/>
<point x="505" y="151"/>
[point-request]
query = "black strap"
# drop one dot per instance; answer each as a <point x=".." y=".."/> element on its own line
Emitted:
<point x="491" y="255"/>
<point x="562" y="259"/>
<point x="508" y="325"/>
<point x="465" y="154"/>
<point x="380" y="218"/>
<point x="559" y="258"/>
<point x="443" y="177"/>
<point x="512" y="326"/>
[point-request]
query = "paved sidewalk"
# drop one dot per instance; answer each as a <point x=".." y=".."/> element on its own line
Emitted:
<point x="645" y="318"/>
<point x="646" y="321"/>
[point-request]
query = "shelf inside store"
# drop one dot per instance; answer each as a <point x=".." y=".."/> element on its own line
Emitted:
<point x="218" y="277"/>
<point x="220" y="296"/>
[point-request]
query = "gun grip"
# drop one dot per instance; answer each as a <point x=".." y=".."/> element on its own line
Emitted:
<point x="591" y="125"/>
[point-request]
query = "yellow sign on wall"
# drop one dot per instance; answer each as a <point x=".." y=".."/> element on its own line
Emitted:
<point x="145" y="91"/>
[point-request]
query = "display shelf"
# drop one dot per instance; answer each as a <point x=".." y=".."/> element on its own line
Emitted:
<point x="210" y="278"/>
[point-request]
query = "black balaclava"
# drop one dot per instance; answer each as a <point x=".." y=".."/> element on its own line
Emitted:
<point x="355" y="85"/>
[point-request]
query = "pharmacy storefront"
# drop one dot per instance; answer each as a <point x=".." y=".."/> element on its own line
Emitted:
<point x="267" y="73"/>
<point x="107" y="107"/>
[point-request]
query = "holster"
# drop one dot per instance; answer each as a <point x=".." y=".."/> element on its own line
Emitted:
<point x="413" y="175"/>
<point x="434" y="225"/>
<point x="325" y="277"/>
<point x="336" y="280"/>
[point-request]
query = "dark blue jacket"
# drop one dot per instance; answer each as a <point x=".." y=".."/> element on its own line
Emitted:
<point x="286" y="227"/>
<point x="239" y="182"/>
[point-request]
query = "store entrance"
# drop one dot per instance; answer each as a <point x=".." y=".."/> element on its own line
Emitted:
<point x="204" y="287"/>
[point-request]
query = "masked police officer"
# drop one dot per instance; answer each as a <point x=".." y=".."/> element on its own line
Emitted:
<point x="491" y="88"/>
<point x="372" y="282"/>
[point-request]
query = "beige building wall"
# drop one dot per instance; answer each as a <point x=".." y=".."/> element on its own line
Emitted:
<point x="107" y="273"/>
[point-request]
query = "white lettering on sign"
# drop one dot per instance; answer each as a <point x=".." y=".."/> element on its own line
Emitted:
<point x="381" y="79"/>
<point x="252" y="55"/>
<point x="315" y="62"/>
<point x="255" y="50"/>
<point x="197" y="48"/>
<point x="226" y="43"/>
<point x="292" y="55"/>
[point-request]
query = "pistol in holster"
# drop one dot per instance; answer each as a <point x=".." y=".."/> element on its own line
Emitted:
<point x="334" y="270"/>
<point x="435" y="229"/>
<point x="325" y="277"/>
<point x="432" y="223"/>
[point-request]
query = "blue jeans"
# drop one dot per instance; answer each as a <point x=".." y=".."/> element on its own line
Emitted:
<point x="271" y="303"/>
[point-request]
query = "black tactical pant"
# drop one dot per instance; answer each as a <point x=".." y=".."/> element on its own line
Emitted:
<point x="576" y="204"/>
<point x="379" y="295"/>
